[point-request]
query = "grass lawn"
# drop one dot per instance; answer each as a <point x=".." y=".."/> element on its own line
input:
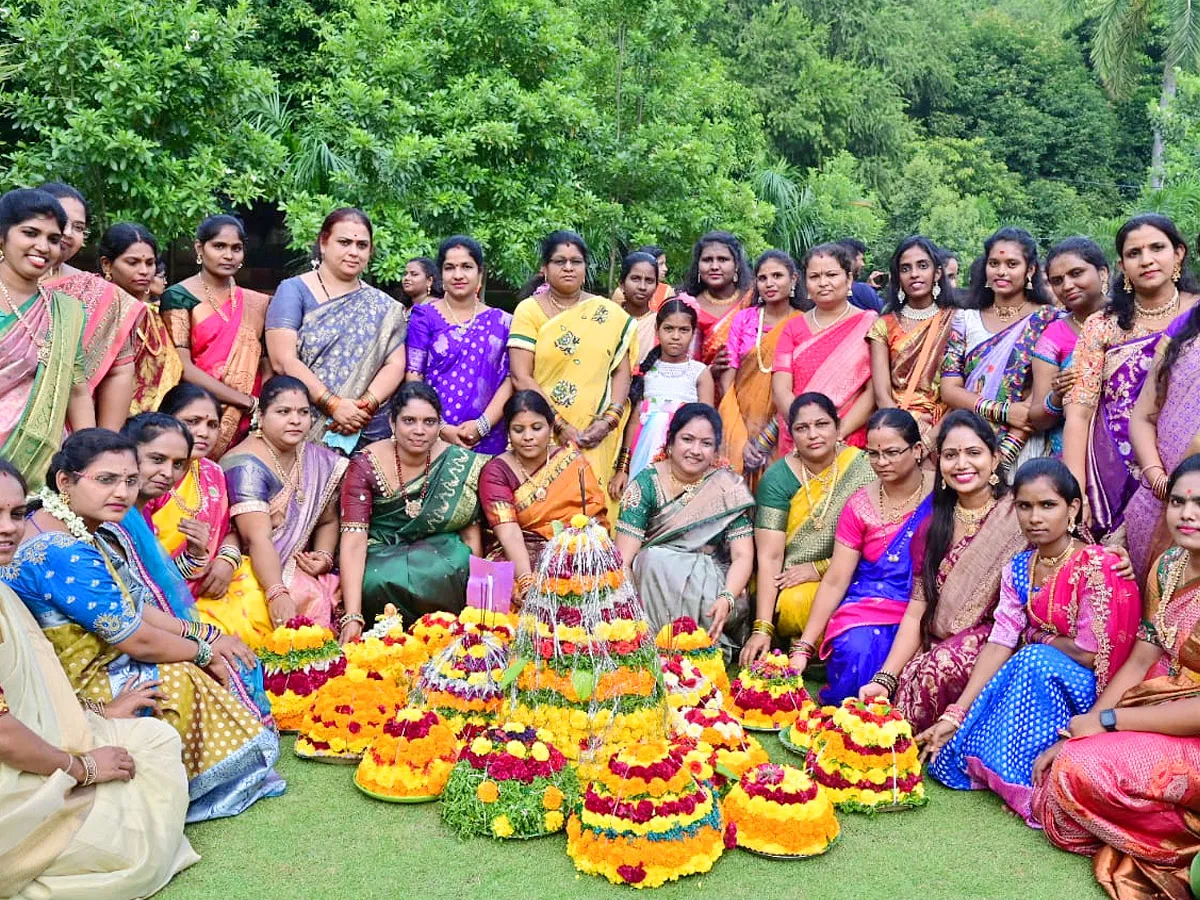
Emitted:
<point x="324" y="839"/>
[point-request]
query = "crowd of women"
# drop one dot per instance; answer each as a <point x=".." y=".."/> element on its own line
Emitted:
<point x="982" y="504"/>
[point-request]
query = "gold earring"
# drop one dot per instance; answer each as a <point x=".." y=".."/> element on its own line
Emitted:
<point x="199" y="261"/>
<point x="1178" y="273"/>
<point x="1104" y="284"/>
<point x="108" y="274"/>
<point x="994" y="480"/>
<point x="1029" y="282"/>
<point x="1071" y="523"/>
<point x="1128" y="285"/>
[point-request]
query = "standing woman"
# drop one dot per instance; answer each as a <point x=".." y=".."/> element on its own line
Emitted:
<point x="342" y="338"/>
<point x="1078" y="275"/>
<point x="129" y="259"/>
<point x="825" y="349"/>
<point x="420" y="283"/>
<point x="1114" y="355"/>
<point x="283" y="501"/>
<point x="573" y="348"/>
<point x="799" y="501"/>
<point x="410" y="518"/>
<point x="638" y="292"/>
<point x="751" y="439"/>
<point x="988" y="367"/>
<point x="458" y="346"/>
<point x="964" y="544"/>
<point x="111" y="315"/>
<point x="908" y="341"/>
<point x="719" y="283"/>
<point x="217" y="327"/>
<point x="43" y="384"/>
<point x="1164" y="430"/>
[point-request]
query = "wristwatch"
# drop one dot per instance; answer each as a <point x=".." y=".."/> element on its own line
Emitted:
<point x="1108" y="718"/>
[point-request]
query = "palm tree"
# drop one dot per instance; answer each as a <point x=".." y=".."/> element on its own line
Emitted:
<point x="1124" y="27"/>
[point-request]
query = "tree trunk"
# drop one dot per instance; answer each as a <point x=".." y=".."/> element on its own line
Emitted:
<point x="1158" y="153"/>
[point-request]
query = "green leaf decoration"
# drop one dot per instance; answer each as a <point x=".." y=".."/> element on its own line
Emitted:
<point x="722" y="769"/>
<point x="513" y="670"/>
<point x="584" y="681"/>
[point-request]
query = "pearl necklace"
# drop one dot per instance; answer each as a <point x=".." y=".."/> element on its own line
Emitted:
<point x="43" y="343"/>
<point x="767" y="369"/>
<point x="817" y="322"/>
<point x="920" y="315"/>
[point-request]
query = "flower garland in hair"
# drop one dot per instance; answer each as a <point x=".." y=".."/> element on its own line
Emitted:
<point x="57" y="505"/>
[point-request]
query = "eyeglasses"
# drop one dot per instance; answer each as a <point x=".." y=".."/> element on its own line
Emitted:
<point x="80" y="228"/>
<point x="891" y="454"/>
<point x="574" y="262"/>
<point x="111" y="479"/>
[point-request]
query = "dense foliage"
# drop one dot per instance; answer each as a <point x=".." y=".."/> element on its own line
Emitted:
<point x="787" y="121"/>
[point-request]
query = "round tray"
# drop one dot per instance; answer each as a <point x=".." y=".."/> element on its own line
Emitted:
<point x="331" y="760"/>
<point x="760" y="730"/>
<point x="786" y="856"/>
<point x="788" y="745"/>
<point x="387" y="799"/>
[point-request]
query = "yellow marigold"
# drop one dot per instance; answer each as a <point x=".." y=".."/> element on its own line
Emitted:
<point x="501" y="827"/>
<point x="481" y="746"/>
<point x="552" y="798"/>
<point x="515" y="748"/>
<point x="539" y="751"/>
<point x="487" y="792"/>
<point x="553" y="821"/>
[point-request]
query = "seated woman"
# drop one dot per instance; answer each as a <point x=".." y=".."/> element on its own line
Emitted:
<point x="1076" y="617"/>
<point x="59" y="841"/>
<point x="282" y="491"/>
<point x="1124" y="786"/>
<point x="685" y="534"/>
<point x="527" y="490"/>
<point x="108" y="634"/>
<point x="864" y="595"/>
<point x="799" y="500"/>
<point x="410" y="517"/>
<point x="964" y="544"/>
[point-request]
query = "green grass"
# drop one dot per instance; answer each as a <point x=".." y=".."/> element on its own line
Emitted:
<point x="324" y="839"/>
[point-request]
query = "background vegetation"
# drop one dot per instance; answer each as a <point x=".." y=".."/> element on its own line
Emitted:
<point x="785" y="121"/>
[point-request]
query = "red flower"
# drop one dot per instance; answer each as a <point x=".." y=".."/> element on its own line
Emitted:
<point x="731" y="836"/>
<point x="354" y="727"/>
<point x="299" y="622"/>
<point x="632" y="874"/>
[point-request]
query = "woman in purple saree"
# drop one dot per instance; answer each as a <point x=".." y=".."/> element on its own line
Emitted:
<point x="1114" y="354"/>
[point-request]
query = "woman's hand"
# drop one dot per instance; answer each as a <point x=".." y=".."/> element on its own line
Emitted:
<point x="350" y="632"/>
<point x="230" y="645"/>
<point x="569" y="435"/>
<point x="348" y="417"/>
<point x="719" y="612"/>
<point x="1018" y="416"/>
<point x="1085" y="725"/>
<point x="753" y="458"/>
<point x="1124" y="567"/>
<point x="314" y="564"/>
<point x="720" y="362"/>
<point x="757" y="646"/>
<point x="1063" y="381"/>
<point x="135" y="697"/>
<point x="1043" y="763"/>
<point x="468" y="433"/>
<point x="798" y="661"/>
<point x="112" y="764"/>
<point x="872" y="690"/>
<point x="217" y="578"/>
<point x="933" y="738"/>
<point x="794" y="575"/>
<point x="617" y="485"/>
<point x="282" y="608"/>
<point x="453" y="434"/>
<point x="196" y="533"/>
<point x="594" y="434"/>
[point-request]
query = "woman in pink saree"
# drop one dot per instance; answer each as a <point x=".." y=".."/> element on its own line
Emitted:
<point x="825" y="350"/>
<point x="217" y="327"/>
<point x="1123" y="788"/>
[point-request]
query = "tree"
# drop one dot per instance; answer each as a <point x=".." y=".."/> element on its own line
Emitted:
<point x="141" y="105"/>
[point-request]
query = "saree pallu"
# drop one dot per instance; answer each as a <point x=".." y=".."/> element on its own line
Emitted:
<point x="226" y="345"/>
<point x="968" y="581"/>
<point x="783" y="505"/>
<point x="835" y="361"/>
<point x="86" y="601"/>
<point x="1019" y="713"/>
<point x="712" y="331"/>
<point x="419" y="563"/>
<point x="1000" y="367"/>
<point x="1132" y="799"/>
<point x="110" y="314"/>
<point x="35" y="386"/>
<point x="253" y="487"/>
<point x="681" y="567"/>
<point x="859" y="635"/>
<point x="1177" y="426"/>
<point x="578" y="384"/>
<point x="202" y="490"/>
<point x="550" y="496"/>
<point x="748" y="408"/>
<point x="113" y="841"/>
<point x="915" y="356"/>
<point x="156" y="365"/>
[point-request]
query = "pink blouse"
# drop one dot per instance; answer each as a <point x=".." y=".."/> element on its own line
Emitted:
<point x="860" y="526"/>
<point x="1012" y="618"/>
<point x="743" y="331"/>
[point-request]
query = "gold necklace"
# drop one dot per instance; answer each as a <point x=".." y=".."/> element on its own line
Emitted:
<point x="192" y="512"/>
<point x="972" y="519"/>
<point x="828" y="483"/>
<point x="42" y="344"/>
<point x="412" y="505"/>
<point x="563" y="306"/>
<point x="1167" y="309"/>
<point x="217" y="308"/>
<point x="901" y="509"/>
<point x="294" y="480"/>
<point x="721" y="304"/>
<point x="1054" y="563"/>
<point x="1168" y="633"/>
<point x="461" y="325"/>
<point x="539" y="493"/>
<point x="845" y="311"/>
<point x="683" y="490"/>
<point x="1008" y="313"/>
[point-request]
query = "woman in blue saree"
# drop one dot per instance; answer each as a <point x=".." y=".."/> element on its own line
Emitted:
<point x="863" y="596"/>
<point x="79" y="578"/>
<point x="342" y="338"/>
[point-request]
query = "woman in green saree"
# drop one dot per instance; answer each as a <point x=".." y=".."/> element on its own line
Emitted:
<point x="410" y="517"/>
<point x="685" y="531"/>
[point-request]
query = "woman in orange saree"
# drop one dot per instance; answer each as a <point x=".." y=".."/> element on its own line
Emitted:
<point x="719" y="285"/>
<point x="908" y="341"/>
<point x="751" y="439"/>
<point x="110" y="315"/>
<point x="217" y="327"/>
<point x="1123" y="787"/>
<point x="129" y="259"/>
<point x="825" y="350"/>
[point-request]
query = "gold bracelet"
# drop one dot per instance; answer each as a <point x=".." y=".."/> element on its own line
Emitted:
<point x="763" y="626"/>
<point x="821" y="566"/>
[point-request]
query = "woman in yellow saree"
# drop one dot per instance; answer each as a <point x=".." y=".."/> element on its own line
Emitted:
<point x="573" y="349"/>
<point x="751" y="439"/>
<point x="90" y="806"/>
<point x="799" y="500"/>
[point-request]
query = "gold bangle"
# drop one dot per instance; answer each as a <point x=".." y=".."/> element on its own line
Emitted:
<point x="821" y="566"/>
<point x="762" y="626"/>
